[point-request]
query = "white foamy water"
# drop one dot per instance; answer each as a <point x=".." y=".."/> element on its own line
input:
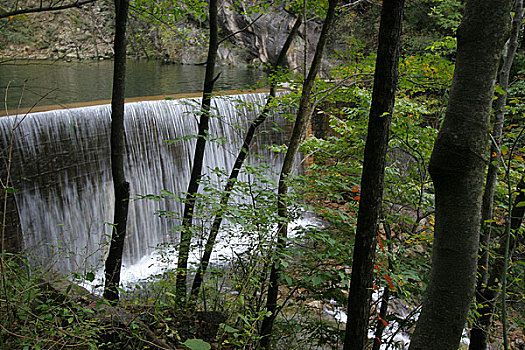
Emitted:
<point x="393" y="336"/>
<point x="155" y="264"/>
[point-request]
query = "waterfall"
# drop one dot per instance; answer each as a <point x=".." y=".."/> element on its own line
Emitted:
<point x="62" y="175"/>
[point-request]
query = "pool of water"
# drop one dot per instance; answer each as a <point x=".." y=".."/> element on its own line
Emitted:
<point x="41" y="83"/>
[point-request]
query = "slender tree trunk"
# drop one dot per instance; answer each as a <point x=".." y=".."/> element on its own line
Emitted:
<point x="118" y="150"/>
<point x="478" y="340"/>
<point x="380" y="326"/>
<point x="457" y="166"/>
<point x="385" y="298"/>
<point x="299" y="129"/>
<point x="499" y="104"/>
<point x="241" y="157"/>
<point x="487" y="296"/>
<point x="198" y="158"/>
<point x="383" y="95"/>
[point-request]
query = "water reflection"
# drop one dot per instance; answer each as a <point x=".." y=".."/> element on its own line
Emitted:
<point x="56" y="82"/>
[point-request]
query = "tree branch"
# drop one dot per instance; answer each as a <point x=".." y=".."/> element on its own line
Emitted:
<point x="45" y="9"/>
<point x="241" y="30"/>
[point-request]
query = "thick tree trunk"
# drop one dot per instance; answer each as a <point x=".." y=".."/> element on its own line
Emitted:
<point x="477" y="337"/>
<point x="241" y="157"/>
<point x="487" y="296"/>
<point x="457" y="166"/>
<point x="118" y="150"/>
<point x="383" y="95"/>
<point x="298" y="132"/>
<point x="196" y="171"/>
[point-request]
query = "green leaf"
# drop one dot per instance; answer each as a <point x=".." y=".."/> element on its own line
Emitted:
<point x="316" y="280"/>
<point x="229" y="329"/>
<point x="288" y="280"/>
<point x="90" y="276"/>
<point x="499" y="90"/>
<point x="10" y="190"/>
<point x="196" y="344"/>
<point x="520" y="205"/>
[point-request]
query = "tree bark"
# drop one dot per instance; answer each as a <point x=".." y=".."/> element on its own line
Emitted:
<point x="457" y="166"/>
<point x="385" y="298"/>
<point x="383" y="95"/>
<point x="118" y="151"/>
<point x="298" y="132"/>
<point x="241" y="157"/>
<point x="499" y="117"/>
<point x="478" y="338"/>
<point x="198" y="158"/>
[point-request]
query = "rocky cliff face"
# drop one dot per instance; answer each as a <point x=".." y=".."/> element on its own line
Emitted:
<point x="70" y="34"/>
<point x="259" y="37"/>
<point x="87" y="33"/>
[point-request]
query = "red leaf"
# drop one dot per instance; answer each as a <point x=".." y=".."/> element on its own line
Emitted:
<point x="389" y="281"/>
<point x="380" y="319"/>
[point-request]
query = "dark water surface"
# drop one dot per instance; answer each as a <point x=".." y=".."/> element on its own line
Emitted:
<point x="55" y="82"/>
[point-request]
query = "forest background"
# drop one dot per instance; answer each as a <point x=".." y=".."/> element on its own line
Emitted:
<point x="315" y="268"/>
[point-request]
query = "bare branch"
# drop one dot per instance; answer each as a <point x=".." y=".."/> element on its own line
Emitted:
<point x="242" y="29"/>
<point x="45" y="9"/>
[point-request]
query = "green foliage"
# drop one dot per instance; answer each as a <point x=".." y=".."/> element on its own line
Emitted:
<point x="428" y="73"/>
<point x="316" y="263"/>
<point x="196" y="344"/>
<point x="332" y="183"/>
<point x="448" y="15"/>
<point x="313" y="8"/>
<point x="165" y="12"/>
<point x="18" y="30"/>
<point x="38" y="316"/>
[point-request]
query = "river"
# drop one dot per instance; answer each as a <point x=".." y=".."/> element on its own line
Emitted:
<point x="40" y="83"/>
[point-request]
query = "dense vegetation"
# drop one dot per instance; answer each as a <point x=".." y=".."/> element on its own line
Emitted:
<point x="309" y="267"/>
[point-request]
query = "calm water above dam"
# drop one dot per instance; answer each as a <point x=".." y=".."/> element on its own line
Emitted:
<point x="56" y="82"/>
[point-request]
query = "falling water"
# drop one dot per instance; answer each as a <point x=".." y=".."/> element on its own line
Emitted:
<point x="61" y="171"/>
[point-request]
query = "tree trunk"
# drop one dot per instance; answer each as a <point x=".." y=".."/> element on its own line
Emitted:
<point x="457" y="166"/>
<point x="478" y="340"/>
<point x="385" y="298"/>
<point x="499" y="117"/>
<point x="299" y="129"/>
<point x="243" y="153"/>
<point x="383" y="95"/>
<point x="198" y="158"/>
<point x="487" y="296"/>
<point x="118" y="150"/>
